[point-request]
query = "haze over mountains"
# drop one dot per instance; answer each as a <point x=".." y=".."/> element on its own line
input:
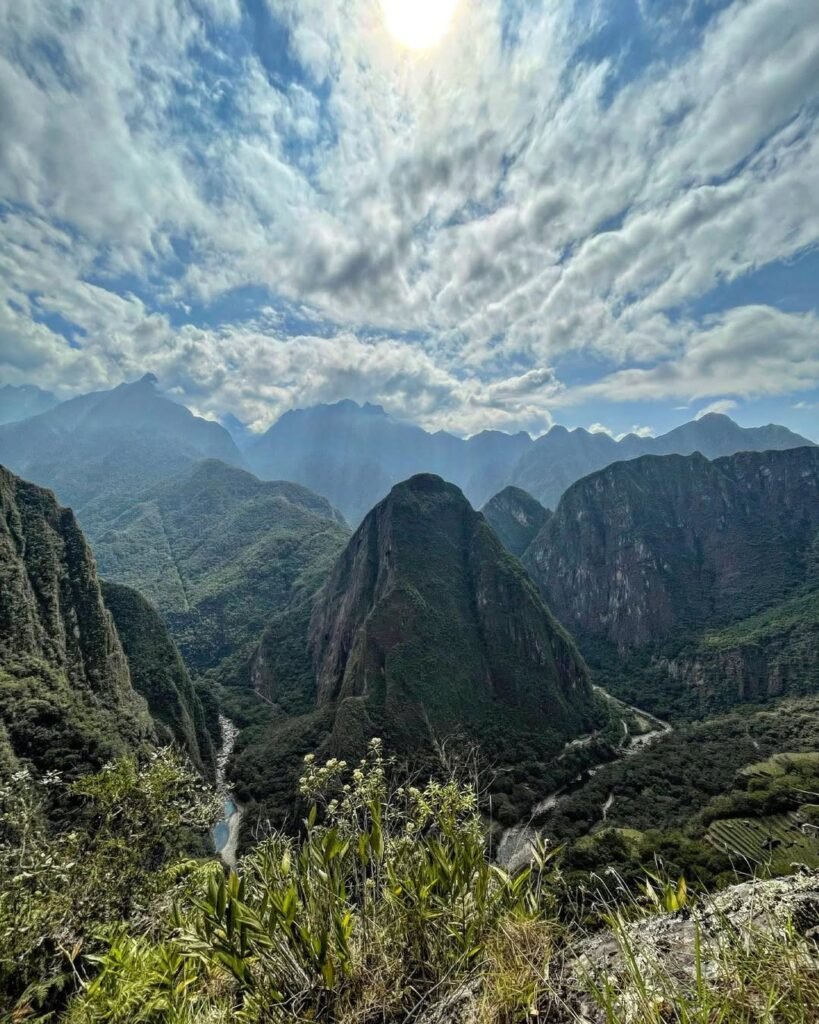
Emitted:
<point x="100" y="451"/>
<point x="519" y="638"/>
<point x="107" y="446"/>
<point x="238" y="592"/>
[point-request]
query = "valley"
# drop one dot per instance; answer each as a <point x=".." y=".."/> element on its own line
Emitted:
<point x="623" y="683"/>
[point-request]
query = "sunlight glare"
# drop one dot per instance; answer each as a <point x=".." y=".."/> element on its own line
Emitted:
<point x="418" y="24"/>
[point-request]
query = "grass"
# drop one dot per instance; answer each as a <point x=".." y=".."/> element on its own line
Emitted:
<point x="384" y="909"/>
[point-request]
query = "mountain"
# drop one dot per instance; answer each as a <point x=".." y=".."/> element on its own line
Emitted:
<point x="516" y="517"/>
<point x="18" y="403"/>
<point x="66" y="700"/>
<point x="647" y="559"/>
<point x="159" y="674"/>
<point x="426" y="627"/>
<point x="98" y="451"/>
<point x="354" y="454"/>
<point x="218" y="552"/>
<point x="559" y="458"/>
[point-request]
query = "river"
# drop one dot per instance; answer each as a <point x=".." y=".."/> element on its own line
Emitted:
<point x="514" y="848"/>
<point x="225" y="832"/>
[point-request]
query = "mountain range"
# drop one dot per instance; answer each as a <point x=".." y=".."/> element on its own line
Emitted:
<point x="694" y="580"/>
<point x="353" y="454"/>
<point x="99" y="451"/>
<point x="684" y="583"/>
<point x="425" y="629"/>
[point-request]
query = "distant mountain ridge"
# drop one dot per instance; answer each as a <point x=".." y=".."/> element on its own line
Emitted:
<point x="357" y="453"/>
<point x="559" y="458"/>
<point x="100" y="450"/>
<point x="353" y="454"/>
<point x="104" y="448"/>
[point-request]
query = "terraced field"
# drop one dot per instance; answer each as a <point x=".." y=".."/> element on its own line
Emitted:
<point x="775" y="842"/>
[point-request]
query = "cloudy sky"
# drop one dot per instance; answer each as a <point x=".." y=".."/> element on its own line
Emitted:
<point x="577" y="211"/>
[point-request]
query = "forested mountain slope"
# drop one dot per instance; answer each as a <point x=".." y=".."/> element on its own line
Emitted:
<point x="66" y="699"/>
<point x="159" y="674"/>
<point x="658" y="561"/>
<point x="425" y="628"/>
<point x="98" y="451"/>
<point x="219" y="552"/>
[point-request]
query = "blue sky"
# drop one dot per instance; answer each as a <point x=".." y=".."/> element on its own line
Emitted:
<point x="598" y="212"/>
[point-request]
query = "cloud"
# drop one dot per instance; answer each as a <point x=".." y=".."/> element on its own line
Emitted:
<point x="451" y="227"/>
<point x="722" y="406"/>
<point x="601" y="428"/>
<point x="749" y="351"/>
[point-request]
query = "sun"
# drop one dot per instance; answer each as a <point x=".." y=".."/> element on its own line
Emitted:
<point x="418" y="24"/>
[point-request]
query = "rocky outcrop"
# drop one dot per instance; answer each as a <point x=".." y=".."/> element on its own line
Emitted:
<point x="65" y="687"/>
<point x="660" y="546"/>
<point x="516" y="517"/>
<point x="672" y="950"/>
<point x="433" y="625"/>
<point x="646" y="969"/>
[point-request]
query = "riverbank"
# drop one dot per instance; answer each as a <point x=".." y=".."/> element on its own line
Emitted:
<point x="225" y="831"/>
<point x="515" y="846"/>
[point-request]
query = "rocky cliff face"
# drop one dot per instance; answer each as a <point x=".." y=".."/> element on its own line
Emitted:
<point x="429" y="621"/>
<point x="773" y="653"/>
<point x="61" y="661"/>
<point x="559" y="458"/>
<point x="51" y="606"/>
<point x="159" y="674"/>
<point x="657" y="546"/>
<point x="516" y="517"/>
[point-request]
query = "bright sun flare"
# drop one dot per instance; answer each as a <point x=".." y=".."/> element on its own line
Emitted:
<point x="418" y="24"/>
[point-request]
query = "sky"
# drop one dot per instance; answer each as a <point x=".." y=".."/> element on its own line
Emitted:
<point x="477" y="213"/>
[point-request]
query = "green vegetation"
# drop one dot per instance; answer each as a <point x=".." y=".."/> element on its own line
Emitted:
<point x="98" y="451"/>
<point x="685" y="795"/>
<point x="691" y="586"/>
<point x="800" y="610"/>
<point x="64" y="891"/>
<point x="54" y="725"/>
<point x="66" y="700"/>
<point x="428" y="633"/>
<point x="159" y="674"/>
<point x="383" y="908"/>
<point x="220" y="553"/>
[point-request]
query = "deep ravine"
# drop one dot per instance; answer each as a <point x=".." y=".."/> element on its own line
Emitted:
<point x="225" y="832"/>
